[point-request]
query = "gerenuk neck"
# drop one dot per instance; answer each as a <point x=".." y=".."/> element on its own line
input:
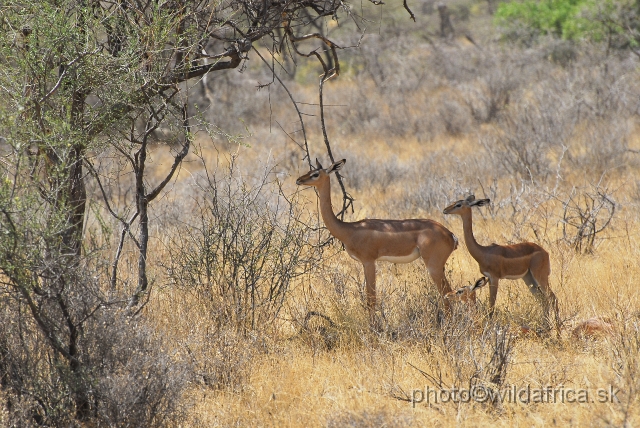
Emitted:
<point x="476" y="250"/>
<point x="338" y="228"/>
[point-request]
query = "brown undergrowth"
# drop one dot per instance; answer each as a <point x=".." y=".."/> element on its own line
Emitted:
<point x="319" y="364"/>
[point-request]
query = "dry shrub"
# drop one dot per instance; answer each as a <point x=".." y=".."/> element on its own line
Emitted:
<point x="129" y="375"/>
<point x="527" y="208"/>
<point x="465" y="355"/>
<point x="221" y="359"/>
<point x="418" y="312"/>
<point x="587" y="213"/>
<point x="139" y="379"/>
<point x="604" y="147"/>
<point x="443" y="179"/>
<point x="454" y="115"/>
<point x="625" y="356"/>
<point x="365" y="173"/>
<point x="497" y="78"/>
<point x="330" y="314"/>
<point x="469" y="359"/>
<point x="434" y="179"/>
<point x="319" y="331"/>
<point x="241" y="248"/>
<point x="371" y="419"/>
<point x="561" y="52"/>
<point x="522" y="143"/>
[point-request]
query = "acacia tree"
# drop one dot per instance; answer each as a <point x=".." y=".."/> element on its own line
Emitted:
<point x="75" y="77"/>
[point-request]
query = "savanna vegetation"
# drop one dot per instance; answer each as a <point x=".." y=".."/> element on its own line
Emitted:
<point x="160" y="267"/>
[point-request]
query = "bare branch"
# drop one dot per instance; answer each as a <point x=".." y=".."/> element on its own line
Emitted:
<point x="406" y="7"/>
<point x="178" y="158"/>
<point x="295" y="105"/>
<point x="347" y="199"/>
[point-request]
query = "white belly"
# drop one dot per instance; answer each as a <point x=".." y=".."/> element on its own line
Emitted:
<point x="515" y="276"/>
<point x="507" y="276"/>
<point x="353" y="257"/>
<point x="401" y="259"/>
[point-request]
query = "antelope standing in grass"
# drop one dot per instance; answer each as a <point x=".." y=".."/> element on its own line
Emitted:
<point x="396" y="241"/>
<point x="526" y="260"/>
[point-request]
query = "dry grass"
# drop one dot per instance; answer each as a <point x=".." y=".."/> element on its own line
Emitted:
<point x="420" y="127"/>
<point x="500" y="135"/>
<point x="342" y="374"/>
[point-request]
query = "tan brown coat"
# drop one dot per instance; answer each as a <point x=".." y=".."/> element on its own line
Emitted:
<point x="526" y="260"/>
<point x="396" y="241"/>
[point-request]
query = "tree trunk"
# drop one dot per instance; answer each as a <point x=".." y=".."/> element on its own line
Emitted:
<point x="446" y="29"/>
<point x="491" y="6"/>
<point x="76" y="202"/>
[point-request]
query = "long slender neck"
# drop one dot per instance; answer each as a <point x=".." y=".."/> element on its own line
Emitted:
<point x="476" y="250"/>
<point x="337" y="227"/>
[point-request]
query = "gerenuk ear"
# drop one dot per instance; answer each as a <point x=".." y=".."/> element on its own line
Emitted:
<point x="470" y="198"/>
<point x="480" y="202"/>
<point x="318" y="164"/>
<point x="480" y="283"/>
<point x="336" y="166"/>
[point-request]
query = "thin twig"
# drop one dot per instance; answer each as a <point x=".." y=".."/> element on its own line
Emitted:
<point x="295" y="105"/>
<point x="347" y="199"/>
